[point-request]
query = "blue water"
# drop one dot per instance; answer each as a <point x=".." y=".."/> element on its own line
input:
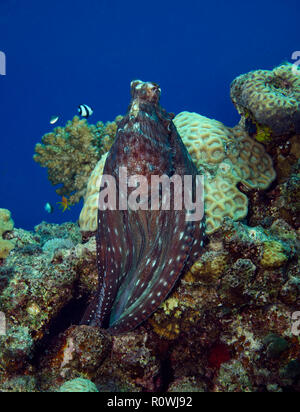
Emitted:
<point x="61" y="53"/>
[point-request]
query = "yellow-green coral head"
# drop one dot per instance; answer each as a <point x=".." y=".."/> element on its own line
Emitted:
<point x="6" y="225"/>
<point x="271" y="97"/>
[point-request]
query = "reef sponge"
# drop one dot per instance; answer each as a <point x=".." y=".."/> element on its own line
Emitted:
<point x="270" y="99"/>
<point x="225" y="157"/>
<point x="6" y="224"/>
<point x="71" y="153"/>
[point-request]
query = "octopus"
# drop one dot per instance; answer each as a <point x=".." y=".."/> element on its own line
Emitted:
<point x="142" y="251"/>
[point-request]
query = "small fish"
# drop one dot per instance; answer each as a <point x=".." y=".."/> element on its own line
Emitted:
<point x="49" y="208"/>
<point x="85" y="111"/>
<point x="64" y="204"/>
<point x="54" y="119"/>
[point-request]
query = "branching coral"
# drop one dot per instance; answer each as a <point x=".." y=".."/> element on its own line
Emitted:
<point x="270" y="99"/>
<point x="71" y="153"/>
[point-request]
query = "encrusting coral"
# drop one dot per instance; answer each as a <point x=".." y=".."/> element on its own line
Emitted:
<point x="219" y="319"/>
<point x="6" y="225"/>
<point x="273" y="255"/>
<point x="269" y="100"/>
<point x="247" y="266"/>
<point x="38" y="293"/>
<point x="71" y="153"/>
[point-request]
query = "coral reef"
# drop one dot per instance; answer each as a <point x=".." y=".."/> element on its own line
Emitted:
<point x="78" y="385"/>
<point x="223" y="155"/>
<point x="71" y="153"/>
<point x="78" y="352"/>
<point x="235" y="270"/>
<point x="29" y="291"/>
<point x="270" y="100"/>
<point x="6" y="225"/>
<point x="19" y="384"/>
<point x="228" y="326"/>
<point x="132" y="366"/>
<point x="282" y="202"/>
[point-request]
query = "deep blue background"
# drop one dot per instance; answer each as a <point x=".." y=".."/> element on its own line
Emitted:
<point x="61" y="53"/>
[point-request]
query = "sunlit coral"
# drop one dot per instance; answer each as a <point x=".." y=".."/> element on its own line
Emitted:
<point x="226" y="157"/>
<point x="270" y="98"/>
<point x="71" y="153"/>
<point x="6" y="224"/>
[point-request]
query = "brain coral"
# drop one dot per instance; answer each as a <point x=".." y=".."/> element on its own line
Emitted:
<point x="6" y="224"/>
<point x="78" y="385"/>
<point x="71" y="153"/>
<point x="225" y="156"/>
<point x="270" y="99"/>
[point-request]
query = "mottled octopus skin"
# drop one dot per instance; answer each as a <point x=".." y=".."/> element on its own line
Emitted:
<point x="141" y="254"/>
